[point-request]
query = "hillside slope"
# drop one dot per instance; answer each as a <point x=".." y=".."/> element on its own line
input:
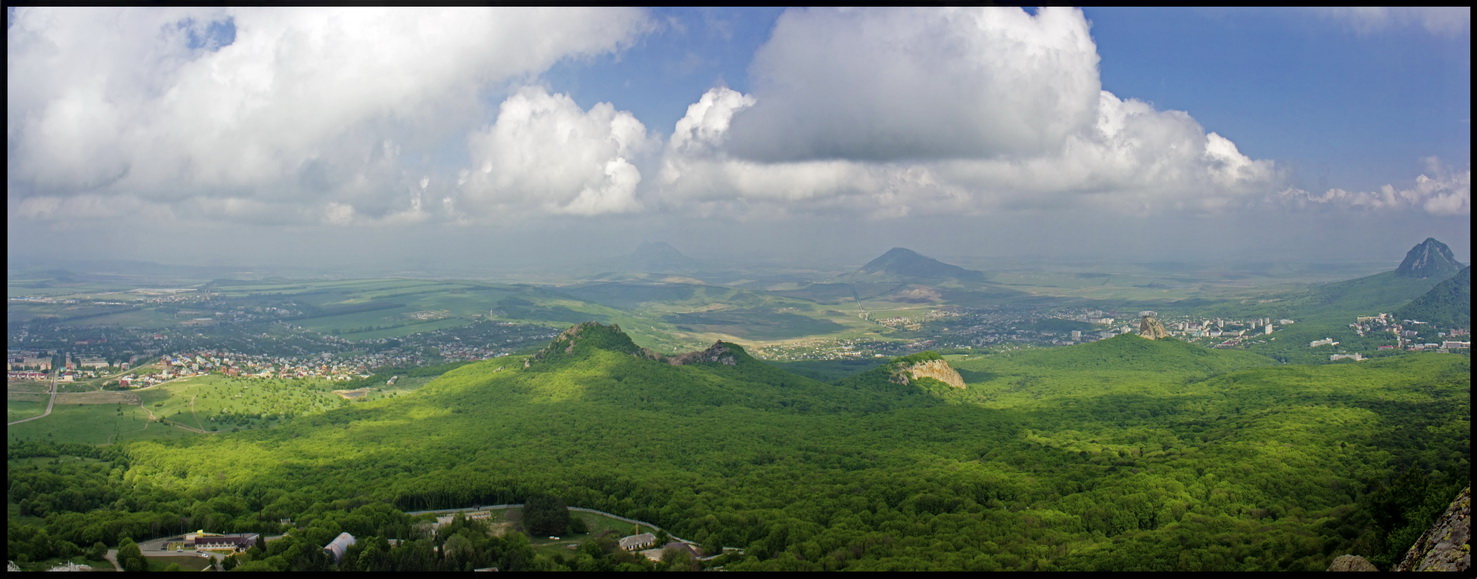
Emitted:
<point x="1121" y="448"/>
<point x="1448" y="305"/>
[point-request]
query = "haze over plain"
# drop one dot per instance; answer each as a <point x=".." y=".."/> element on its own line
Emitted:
<point x="342" y="138"/>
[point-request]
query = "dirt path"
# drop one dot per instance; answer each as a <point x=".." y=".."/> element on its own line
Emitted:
<point x="152" y="418"/>
<point x="112" y="557"/>
<point x="50" y="402"/>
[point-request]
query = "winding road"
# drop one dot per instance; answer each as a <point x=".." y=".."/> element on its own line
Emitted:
<point x="49" y="403"/>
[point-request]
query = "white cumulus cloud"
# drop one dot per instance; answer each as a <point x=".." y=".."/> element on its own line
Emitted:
<point x="954" y="111"/>
<point x="1437" y="20"/>
<point x="1449" y="192"/>
<point x="303" y="105"/>
<point x="884" y="84"/>
<point x="545" y="153"/>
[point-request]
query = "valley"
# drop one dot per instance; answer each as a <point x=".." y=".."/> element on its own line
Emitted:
<point x="791" y="439"/>
<point x="710" y="288"/>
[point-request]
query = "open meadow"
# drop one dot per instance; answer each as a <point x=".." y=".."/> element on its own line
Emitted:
<point x="93" y="424"/>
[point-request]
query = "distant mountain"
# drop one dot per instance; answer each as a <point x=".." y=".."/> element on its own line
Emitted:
<point x="130" y="271"/>
<point x="1425" y="265"/>
<point x="904" y="264"/>
<point x="1448" y="305"/>
<point x="658" y="256"/>
<point x="1429" y="259"/>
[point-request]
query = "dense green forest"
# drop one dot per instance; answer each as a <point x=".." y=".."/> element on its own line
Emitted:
<point x="1448" y="305"/>
<point x="1123" y="454"/>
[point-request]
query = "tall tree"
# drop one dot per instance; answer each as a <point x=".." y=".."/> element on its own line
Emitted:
<point x="130" y="557"/>
<point x="545" y="515"/>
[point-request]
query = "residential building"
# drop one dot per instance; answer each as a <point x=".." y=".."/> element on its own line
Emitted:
<point x="634" y="542"/>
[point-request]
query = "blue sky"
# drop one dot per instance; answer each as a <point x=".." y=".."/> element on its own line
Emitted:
<point x="310" y="136"/>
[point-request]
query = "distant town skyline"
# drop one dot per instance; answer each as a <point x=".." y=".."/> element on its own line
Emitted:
<point x="337" y="137"/>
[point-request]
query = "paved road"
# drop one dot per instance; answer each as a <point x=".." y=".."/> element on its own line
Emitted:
<point x="49" y="404"/>
<point x="581" y="509"/>
<point x="52" y="402"/>
<point x="155" y="548"/>
<point x="112" y="555"/>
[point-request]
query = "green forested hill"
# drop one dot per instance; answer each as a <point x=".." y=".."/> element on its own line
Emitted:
<point x="1119" y="455"/>
<point x="1380" y="292"/>
<point x="1131" y="352"/>
<point x="1448" y="305"/>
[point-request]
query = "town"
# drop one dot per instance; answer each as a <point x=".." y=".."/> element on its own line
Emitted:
<point x="297" y="354"/>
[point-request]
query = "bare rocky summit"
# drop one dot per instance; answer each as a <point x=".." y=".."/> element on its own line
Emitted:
<point x="719" y="353"/>
<point x="936" y="369"/>
<point x="1429" y="258"/>
<point x="1352" y="563"/>
<point x="1151" y="329"/>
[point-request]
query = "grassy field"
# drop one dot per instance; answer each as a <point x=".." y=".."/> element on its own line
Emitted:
<point x="596" y="525"/>
<point x="402" y="386"/>
<point x="214" y="402"/>
<point x="22" y="405"/>
<point x="210" y="403"/>
<point x="31" y="386"/>
<point x="93" y="424"/>
<point x="186" y="563"/>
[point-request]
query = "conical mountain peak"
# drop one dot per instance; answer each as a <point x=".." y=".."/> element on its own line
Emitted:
<point x="905" y="264"/>
<point x="1429" y="259"/>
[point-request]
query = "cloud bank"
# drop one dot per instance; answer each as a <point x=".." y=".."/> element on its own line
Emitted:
<point x="902" y="112"/>
<point x="1448" y="193"/>
<point x="373" y="117"/>
<point x="310" y="107"/>
<point x="1436" y="20"/>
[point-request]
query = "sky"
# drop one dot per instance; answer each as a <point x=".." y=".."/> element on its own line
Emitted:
<point x="339" y="138"/>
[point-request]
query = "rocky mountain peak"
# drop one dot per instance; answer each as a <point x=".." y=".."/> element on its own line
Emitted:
<point x="932" y="367"/>
<point x="1429" y="258"/>
<point x="1150" y="328"/>
<point x="586" y="335"/>
<point x="719" y="353"/>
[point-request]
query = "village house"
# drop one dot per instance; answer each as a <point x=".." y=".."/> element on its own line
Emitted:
<point x="201" y="540"/>
<point x="634" y="542"/>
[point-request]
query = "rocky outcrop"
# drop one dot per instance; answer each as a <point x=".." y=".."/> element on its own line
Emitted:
<point x="587" y="336"/>
<point x="1352" y="563"/>
<point x="1446" y="545"/>
<point x="718" y="353"/>
<point x="936" y="369"/>
<point x="1150" y="328"/>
